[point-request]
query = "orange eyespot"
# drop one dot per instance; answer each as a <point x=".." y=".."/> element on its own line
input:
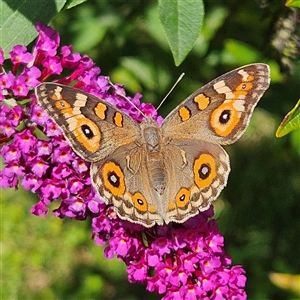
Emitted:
<point x="139" y="202"/>
<point x="62" y="104"/>
<point x="113" y="178"/>
<point x="245" y="86"/>
<point x="87" y="133"/>
<point x="204" y="170"/>
<point x="224" y="119"/>
<point x="183" y="197"/>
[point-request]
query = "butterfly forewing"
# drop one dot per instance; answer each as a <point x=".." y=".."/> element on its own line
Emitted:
<point x="220" y="111"/>
<point x="93" y="127"/>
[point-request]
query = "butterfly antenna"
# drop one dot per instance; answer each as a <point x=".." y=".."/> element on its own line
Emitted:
<point x="170" y="91"/>
<point x="127" y="99"/>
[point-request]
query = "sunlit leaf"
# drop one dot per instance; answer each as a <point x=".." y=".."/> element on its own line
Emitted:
<point x="72" y="3"/>
<point x="294" y="3"/>
<point x="18" y="19"/>
<point x="286" y="281"/>
<point x="181" y="21"/>
<point x="290" y="122"/>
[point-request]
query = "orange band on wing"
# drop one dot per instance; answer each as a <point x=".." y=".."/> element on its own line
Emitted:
<point x="100" y="110"/>
<point x="184" y="113"/>
<point x="118" y="119"/>
<point x="202" y="101"/>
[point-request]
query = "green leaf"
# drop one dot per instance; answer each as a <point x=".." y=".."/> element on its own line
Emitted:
<point x="18" y="19"/>
<point x="181" y="21"/>
<point x="72" y="3"/>
<point x="239" y="53"/>
<point x="154" y="27"/>
<point x="137" y="74"/>
<point x="290" y="122"/>
<point x="294" y="3"/>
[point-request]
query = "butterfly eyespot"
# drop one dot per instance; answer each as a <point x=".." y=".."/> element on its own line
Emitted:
<point x="224" y="119"/>
<point x="204" y="170"/>
<point x="225" y="116"/>
<point x="113" y="178"/>
<point x="86" y="132"/>
<point x="139" y="202"/>
<point x="182" y="197"/>
<point x="61" y="104"/>
<point x="241" y="90"/>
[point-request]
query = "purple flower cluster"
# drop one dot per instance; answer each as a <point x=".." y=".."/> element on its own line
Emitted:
<point x="182" y="261"/>
<point x="48" y="166"/>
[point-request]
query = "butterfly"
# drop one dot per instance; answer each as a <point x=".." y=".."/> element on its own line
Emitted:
<point x="159" y="174"/>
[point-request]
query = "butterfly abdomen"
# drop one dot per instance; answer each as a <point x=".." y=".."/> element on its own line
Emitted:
<point x="156" y="169"/>
<point x="152" y="139"/>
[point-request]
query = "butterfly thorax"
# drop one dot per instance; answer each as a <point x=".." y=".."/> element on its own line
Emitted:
<point x="152" y="139"/>
<point x="151" y="135"/>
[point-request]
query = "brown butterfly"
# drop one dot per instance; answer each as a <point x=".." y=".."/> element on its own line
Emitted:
<point x="151" y="174"/>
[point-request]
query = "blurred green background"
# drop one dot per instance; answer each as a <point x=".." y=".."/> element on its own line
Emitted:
<point x="259" y="210"/>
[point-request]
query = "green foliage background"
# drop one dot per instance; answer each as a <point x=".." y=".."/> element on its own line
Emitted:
<point x="258" y="211"/>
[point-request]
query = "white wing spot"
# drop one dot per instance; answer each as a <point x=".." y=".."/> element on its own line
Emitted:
<point x="57" y="92"/>
<point x="239" y="105"/>
<point x="80" y="100"/>
<point x="72" y="121"/>
<point x="244" y="74"/>
<point x="221" y="88"/>
<point x="216" y="184"/>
